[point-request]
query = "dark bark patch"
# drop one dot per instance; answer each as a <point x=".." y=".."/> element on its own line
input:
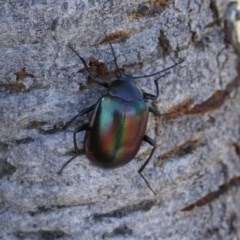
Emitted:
<point x="122" y="230"/>
<point x="184" y="149"/>
<point x="54" y="24"/>
<point x="23" y="74"/>
<point x="24" y="140"/>
<point x="149" y="9"/>
<point x="214" y="102"/>
<point x="43" y="235"/>
<point x="210" y="197"/>
<point x="145" y="205"/>
<point x="6" y="169"/>
<point x="17" y="87"/>
<point x="237" y="149"/>
<point x="216" y="20"/>
<point x="164" y="43"/>
<point x="35" y="124"/>
<point x="116" y="36"/>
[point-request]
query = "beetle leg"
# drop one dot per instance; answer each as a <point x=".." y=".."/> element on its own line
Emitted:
<point x="78" y="151"/>
<point x="66" y="163"/>
<point x="154" y="111"/>
<point x="84" y="111"/>
<point x="60" y="128"/>
<point x="151" y="96"/>
<point x="152" y="143"/>
<point x="87" y="68"/>
<point x="77" y="130"/>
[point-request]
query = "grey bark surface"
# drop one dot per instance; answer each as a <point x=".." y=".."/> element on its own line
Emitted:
<point x="195" y="169"/>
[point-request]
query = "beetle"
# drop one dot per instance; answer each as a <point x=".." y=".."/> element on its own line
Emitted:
<point x="118" y="122"/>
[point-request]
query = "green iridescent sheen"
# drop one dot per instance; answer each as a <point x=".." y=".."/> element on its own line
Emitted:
<point x="116" y="132"/>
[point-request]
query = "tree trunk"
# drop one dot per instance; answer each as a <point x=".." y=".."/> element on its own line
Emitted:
<point x="195" y="170"/>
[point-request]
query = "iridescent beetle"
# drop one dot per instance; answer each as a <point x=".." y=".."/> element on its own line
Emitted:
<point x="118" y="122"/>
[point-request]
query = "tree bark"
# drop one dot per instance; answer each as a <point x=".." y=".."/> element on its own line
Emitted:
<point x="195" y="170"/>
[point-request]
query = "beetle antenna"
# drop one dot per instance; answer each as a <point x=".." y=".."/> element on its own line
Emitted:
<point x="86" y="67"/>
<point x="162" y="71"/>
<point x="82" y="59"/>
<point x="114" y="56"/>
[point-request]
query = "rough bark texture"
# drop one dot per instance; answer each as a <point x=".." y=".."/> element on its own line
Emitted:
<point x="196" y="167"/>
